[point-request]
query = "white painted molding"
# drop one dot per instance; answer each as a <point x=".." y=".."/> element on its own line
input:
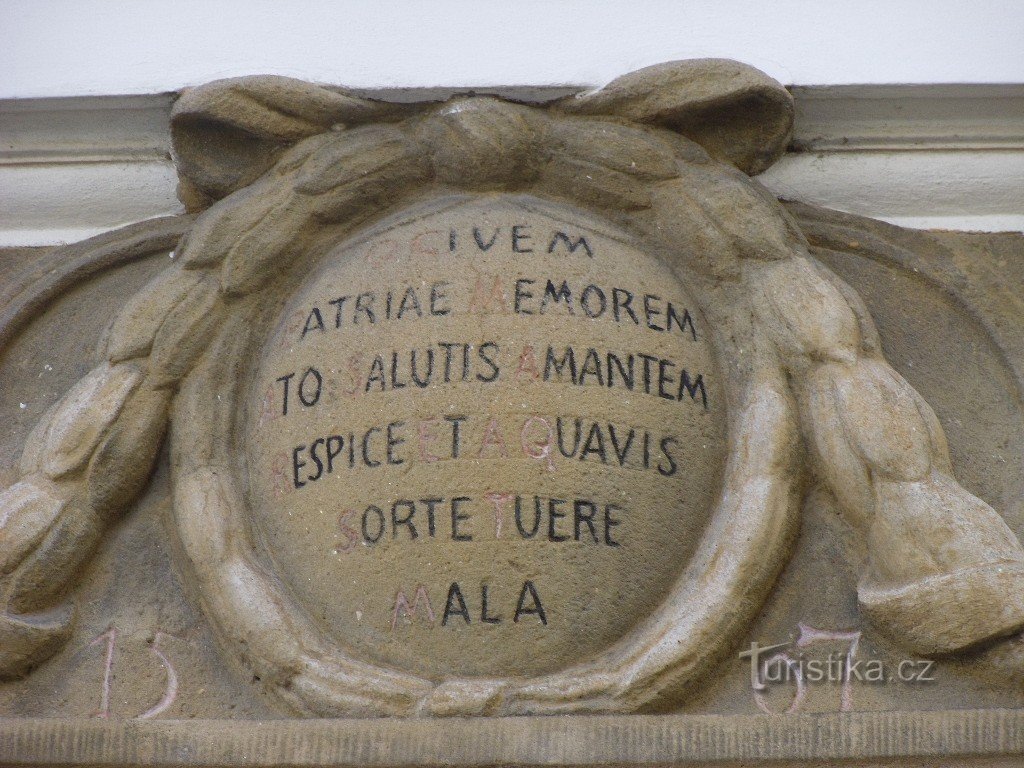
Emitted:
<point x="904" y="117"/>
<point x="71" y="168"/>
<point x="929" y="156"/>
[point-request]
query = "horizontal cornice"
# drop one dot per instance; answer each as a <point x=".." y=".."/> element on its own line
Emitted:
<point x="946" y="156"/>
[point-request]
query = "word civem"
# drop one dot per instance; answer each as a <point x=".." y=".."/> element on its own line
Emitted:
<point x="515" y="239"/>
<point x="498" y="515"/>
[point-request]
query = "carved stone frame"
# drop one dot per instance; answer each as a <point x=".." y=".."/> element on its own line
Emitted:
<point x="281" y="168"/>
<point x="745" y="544"/>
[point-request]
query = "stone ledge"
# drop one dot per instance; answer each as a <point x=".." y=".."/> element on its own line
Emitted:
<point x="951" y="737"/>
<point x="928" y="156"/>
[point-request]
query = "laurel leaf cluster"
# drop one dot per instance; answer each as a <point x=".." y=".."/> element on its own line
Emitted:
<point x="360" y="169"/>
<point x="83" y="416"/>
<point x="483" y="143"/>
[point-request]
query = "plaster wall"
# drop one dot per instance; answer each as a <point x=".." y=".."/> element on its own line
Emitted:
<point x="71" y="48"/>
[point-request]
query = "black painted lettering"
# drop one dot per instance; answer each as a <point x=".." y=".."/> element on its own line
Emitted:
<point x="652" y="312"/>
<point x="438" y="297"/>
<point x="417" y="379"/>
<point x="552" y="362"/>
<point x="396" y="521"/>
<point x="313" y="323"/>
<point x="537" y="608"/>
<point x="410" y="303"/>
<point x="364" y="304"/>
<point x="395" y="383"/>
<point x="553" y="517"/>
<point x="577" y="436"/>
<point x="459" y="516"/>
<point x="620" y="451"/>
<point x="456" y="422"/>
<point x="447" y="347"/>
<point x="665" y="378"/>
<point x="520" y="294"/>
<point x="580" y="242"/>
<point x="484" y="617"/>
<point x="519" y="236"/>
<point x="480" y="241"/>
<point x="583" y="512"/>
<point x="681" y="322"/>
<point x="335" y="445"/>
<point x="626" y="372"/>
<point x="376" y="374"/>
<point x="338" y="303"/>
<point x="693" y="387"/>
<point x="666" y="444"/>
<point x="366" y="447"/>
<point x="285" y="380"/>
<point x="297" y="465"/>
<point x="455" y="605"/>
<point x="465" y="360"/>
<point x="316" y="460"/>
<point x="393" y="441"/>
<point x="621" y="301"/>
<point x="593" y="301"/>
<point x="431" y="508"/>
<point x="377" y="514"/>
<point x="527" y="534"/>
<point x="559" y="294"/>
<point x="591" y="367"/>
<point x="648" y="359"/>
<point x="609" y="523"/>
<point x="309" y="393"/>
<point x="482" y="353"/>
<point x="594" y="444"/>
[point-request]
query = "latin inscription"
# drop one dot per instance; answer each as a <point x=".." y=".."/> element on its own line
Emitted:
<point x="450" y="396"/>
<point x="454" y="437"/>
<point x="446" y="437"/>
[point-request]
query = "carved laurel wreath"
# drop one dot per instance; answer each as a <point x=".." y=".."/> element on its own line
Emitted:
<point x="664" y="153"/>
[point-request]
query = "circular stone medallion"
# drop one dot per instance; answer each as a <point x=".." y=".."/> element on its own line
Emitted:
<point x="485" y="438"/>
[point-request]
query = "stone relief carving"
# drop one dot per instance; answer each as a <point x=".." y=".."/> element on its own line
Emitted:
<point x="289" y="180"/>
